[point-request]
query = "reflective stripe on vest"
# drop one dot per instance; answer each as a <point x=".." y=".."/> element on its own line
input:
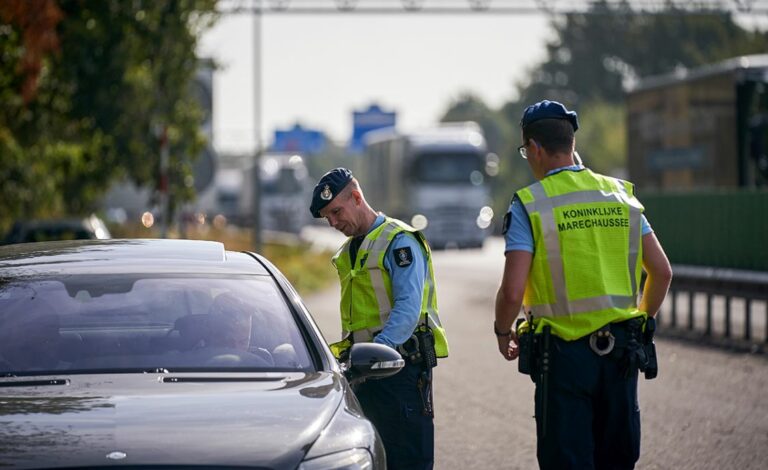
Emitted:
<point x="377" y="252"/>
<point x="586" y="262"/>
<point x="545" y="206"/>
<point x="374" y="249"/>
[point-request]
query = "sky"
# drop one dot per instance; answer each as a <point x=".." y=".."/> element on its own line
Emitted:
<point x="317" y="69"/>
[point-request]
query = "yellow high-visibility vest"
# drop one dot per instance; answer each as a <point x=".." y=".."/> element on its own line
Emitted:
<point x="366" y="288"/>
<point x="587" y="258"/>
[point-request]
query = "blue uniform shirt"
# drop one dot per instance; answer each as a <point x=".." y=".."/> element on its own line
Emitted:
<point x="407" y="288"/>
<point x="519" y="235"/>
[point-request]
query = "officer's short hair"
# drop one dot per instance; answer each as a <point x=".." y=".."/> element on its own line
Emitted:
<point x="551" y="125"/>
<point x="555" y="135"/>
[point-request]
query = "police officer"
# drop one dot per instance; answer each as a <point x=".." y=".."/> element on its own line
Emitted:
<point x="387" y="296"/>
<point x="575" y="244"/>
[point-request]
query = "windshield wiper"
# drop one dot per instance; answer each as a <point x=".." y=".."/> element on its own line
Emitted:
<point x="209" y="379"/>
<point x="34" y="383"/>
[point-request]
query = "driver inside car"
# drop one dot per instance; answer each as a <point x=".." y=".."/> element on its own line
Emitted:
<point x="30" y="341"/>
<point x="229" y="323"/>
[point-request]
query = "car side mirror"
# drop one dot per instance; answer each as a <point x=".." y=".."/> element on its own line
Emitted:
<point x="373" y="361"/>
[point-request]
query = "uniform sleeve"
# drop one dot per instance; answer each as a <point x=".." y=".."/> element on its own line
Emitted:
<point x="646" y="226"/>
<point x="518" y="234"/>
<point x="407" y="267"/>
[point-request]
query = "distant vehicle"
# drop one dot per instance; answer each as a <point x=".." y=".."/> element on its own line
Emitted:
<point x="435" y="179"/>
<point x="43" y="230"/>
<point x="701" y="128"/>
<point x="285" y="192"/>
<point x="171" y="354"/>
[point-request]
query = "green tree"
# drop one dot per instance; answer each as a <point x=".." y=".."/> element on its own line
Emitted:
<point x="602" y="138"/>
<point x="501" y="136"/>
<point x="116" y="73"/>
<point x="594" y="54"/>
<point x="590" y="60"/>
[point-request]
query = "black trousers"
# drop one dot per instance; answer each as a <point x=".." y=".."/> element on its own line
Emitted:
<point x="395" y="406"/>
<point x="592" y="417"/>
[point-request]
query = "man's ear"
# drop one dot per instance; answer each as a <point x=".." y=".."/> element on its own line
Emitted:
<point x="357" y="196"/>
<point x="538" y="150"/>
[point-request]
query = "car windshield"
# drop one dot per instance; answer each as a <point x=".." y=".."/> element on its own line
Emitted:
<point x="285" y="182"/>
<point x="128" y="323"/>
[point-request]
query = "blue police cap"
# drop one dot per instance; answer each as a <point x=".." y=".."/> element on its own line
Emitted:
<point x="327" y="188"/>
<point x="548" y="110"/>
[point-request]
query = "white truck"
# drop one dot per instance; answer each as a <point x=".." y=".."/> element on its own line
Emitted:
<point x="285" y="191"/>
<point x="435" y="179"/>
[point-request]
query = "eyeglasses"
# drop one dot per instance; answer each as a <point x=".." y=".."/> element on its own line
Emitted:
<point x="523" y="151"/>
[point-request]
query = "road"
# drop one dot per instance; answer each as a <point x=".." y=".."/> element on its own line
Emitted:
<point x="708" y="409"/>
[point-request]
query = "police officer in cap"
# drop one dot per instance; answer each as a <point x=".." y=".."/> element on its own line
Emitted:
<point x="575" y="245"/>
<point x="387" y="296"/>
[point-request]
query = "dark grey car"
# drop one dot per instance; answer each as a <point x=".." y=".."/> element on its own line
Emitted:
<point x="171" y="353"/>
<point x="43" y="230"/>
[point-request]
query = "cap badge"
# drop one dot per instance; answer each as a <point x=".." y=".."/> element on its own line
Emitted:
<point x="326" y="195"/>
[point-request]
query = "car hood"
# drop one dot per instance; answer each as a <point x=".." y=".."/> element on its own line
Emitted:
<point x="268" y="420"/>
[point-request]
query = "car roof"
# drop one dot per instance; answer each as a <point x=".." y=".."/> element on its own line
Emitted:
<point x="127" y="256"/>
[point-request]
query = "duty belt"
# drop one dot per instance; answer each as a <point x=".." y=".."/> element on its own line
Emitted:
<point x="603" y="341"/>
<point x="410" y="349"/>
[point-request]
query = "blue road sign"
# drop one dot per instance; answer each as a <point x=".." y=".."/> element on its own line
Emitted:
<point x="365" y="121"/>
<point x="299" y="140"/>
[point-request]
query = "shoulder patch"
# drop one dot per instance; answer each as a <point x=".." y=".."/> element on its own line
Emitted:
<point x="403" y="256"/>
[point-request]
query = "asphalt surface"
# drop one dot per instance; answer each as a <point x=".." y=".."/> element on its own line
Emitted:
<point x="708" y="408"/>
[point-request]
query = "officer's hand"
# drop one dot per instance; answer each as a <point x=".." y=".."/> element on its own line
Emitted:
<point x="508" y="346"/>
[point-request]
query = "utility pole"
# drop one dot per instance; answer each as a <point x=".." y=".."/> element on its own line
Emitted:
<point x="164" y="188"/>
<point x="256" y="185"/>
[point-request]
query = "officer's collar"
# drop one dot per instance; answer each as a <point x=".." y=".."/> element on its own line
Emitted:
<point x="378" y="221"/>
<point x="565" y="168"/>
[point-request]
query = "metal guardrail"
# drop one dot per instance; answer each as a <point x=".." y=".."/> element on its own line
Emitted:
<point x="726" y="307"/>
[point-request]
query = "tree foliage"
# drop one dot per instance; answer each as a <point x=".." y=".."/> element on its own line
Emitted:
<point x="594" y="55"/>
<point x="602" y="138"/>
<point x="86" y="106"/>
<point x="501" y="136"/>
<point x="590" y="60"/>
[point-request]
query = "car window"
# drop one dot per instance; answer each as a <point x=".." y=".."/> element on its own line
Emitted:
<point x="46" y="234"/>
<point x="127" y="323"/>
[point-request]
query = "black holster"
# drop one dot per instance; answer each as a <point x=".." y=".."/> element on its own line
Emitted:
<point x="651" y="369"/>
<point x="640" y="350"/>
<point x="420" y="348"/>
<point x="527" y="357"/>
<point x="535" y="360"/>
